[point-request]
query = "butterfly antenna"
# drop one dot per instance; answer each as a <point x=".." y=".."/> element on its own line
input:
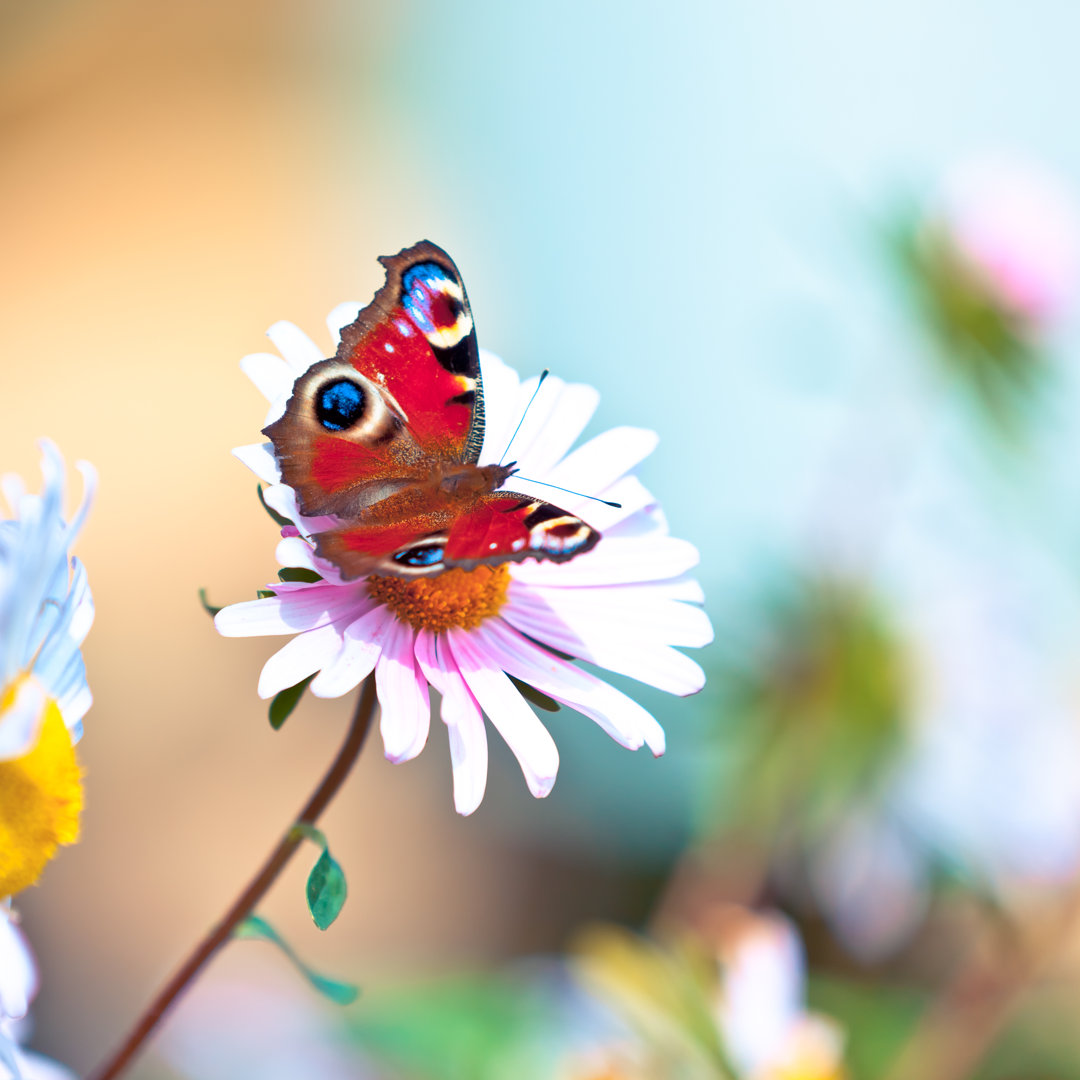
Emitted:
<point x="570" y="491"/>
<point x="543" y="375"/>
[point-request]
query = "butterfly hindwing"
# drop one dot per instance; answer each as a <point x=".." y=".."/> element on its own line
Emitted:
<point x="402" y="393"/>
<point x="500" y="527"/>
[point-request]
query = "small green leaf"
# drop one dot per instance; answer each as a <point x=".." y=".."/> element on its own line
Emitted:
<point x="254" y="927"/>
<point x="537" y="697"/>
<point x="298" y="573"/>
<point x="326" y="890"/>
<point x="284" y="702"/>
<point x="279" y="518"/>
<point x="207" y="606"/>
<point x="265" y="594"/>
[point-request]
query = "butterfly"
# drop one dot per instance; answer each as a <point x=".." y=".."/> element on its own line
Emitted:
<point x="386" y="435"/>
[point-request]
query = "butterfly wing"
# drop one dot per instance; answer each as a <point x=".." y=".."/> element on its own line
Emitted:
<point x="402" y="394"/>
<point x="500" y="527"/>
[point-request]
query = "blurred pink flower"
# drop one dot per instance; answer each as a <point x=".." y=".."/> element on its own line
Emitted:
<point x="1017" y="225"/>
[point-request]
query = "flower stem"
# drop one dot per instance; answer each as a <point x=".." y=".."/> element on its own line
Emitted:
<point x="253" y="893"/>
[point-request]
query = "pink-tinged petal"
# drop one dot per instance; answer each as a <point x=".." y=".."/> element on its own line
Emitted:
<point x="403" y="695"/>
<point x="528" y="739"/>
<point x="272" y="376"/>
<point x="21" y="721"/>
<point x="299" y="350"/>
<point x="464" y="721"/>
<point x="610" y="614"/>
<point x="340" y="317"/>
<point x="259" y="458"/>
<point x="603" y="644"/>
<point x="297" y="659"/>
<point x="602" y="460"/>
<point x="620" y="716"/>
<point x="361" y="645"/>
<point x="294" y="609"/>
<point x="614" y="561"/>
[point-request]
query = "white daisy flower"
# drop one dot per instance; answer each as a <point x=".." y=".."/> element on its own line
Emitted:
<point x="45" y="607"/>
<point x="625" y="606"/>
<point x="45" y="613"/>
<point x="18" y="985"/>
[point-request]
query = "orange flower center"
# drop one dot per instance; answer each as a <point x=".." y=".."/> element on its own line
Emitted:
<point x="456" y="598"/>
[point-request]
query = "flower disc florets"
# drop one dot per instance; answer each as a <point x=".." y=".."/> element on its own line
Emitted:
<point x="457" y="598"/>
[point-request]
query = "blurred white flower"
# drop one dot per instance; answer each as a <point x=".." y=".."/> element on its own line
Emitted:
<point x="1017" y="224"/>
<point x="767" y="1031"/>
<point x="45" y="613"/>
<point x="626" y="605"/>
<point x="18" y="985"/>
<point x="45" y="606"/>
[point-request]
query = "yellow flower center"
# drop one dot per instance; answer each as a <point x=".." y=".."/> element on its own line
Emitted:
<point x="40" y="799"/>
<point x="461" y="598"/>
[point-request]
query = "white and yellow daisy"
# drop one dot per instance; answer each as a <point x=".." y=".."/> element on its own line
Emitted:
<point x="45" y="613"/>
<point x="627" y="605"/>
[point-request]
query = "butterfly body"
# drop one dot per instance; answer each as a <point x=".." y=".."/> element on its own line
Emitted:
<point x="386" y="437"/>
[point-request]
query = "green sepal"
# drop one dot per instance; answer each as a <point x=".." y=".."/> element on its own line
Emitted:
<point x="284" y="702"/>
<point x="265" y="594"/>
<point x="255" y="927"/>
<point x="298" y="573"/>
<point x="326" y="885"/>
<point x="279" y="518"/>
<point x="207" y="606"/>
<point x="537" y="697"/>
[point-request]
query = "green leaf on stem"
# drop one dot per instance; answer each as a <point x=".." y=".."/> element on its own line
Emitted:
<point x="207" y="606"/>
<point x="254" y="927"/>
<point x="326" y="890"/>
<point x="284" y="702"/>
<point x="279" y="518"/>
<point x="326" y="885"/>
<point x="298" y="573"/>
<point x="537" y="697"/>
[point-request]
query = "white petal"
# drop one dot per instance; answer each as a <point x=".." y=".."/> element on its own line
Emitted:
<point x="611" y="613"/>
<point x="540" y="445"/>
<point x="299" y="350"/>
<point x="403" y="695"/>
<point x="296" y="552"/>
<point x="620" y="716"/>
<point x="615" y="561"/>
<point x="18" y="973"/>
<point x="601" y="643"/>
<point x="292" y="610"/>
<point x="259" y="458"/>
<point x="272" y="376"/>
<point x="361" y="645"/>
<point x="340" y="317"/>
<point x="21" y="721"/>
<point x="299" y="658"/>
<point x="528" y="739"/>
<point x="500" y="395"/>
<point x="464" y="721"/>
<point x="602" y="460"/>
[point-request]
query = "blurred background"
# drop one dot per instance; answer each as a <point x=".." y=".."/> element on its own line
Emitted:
<point x="829" y="252"/>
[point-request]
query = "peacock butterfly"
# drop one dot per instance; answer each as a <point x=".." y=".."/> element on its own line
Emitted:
<point x="386" y="435"/>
